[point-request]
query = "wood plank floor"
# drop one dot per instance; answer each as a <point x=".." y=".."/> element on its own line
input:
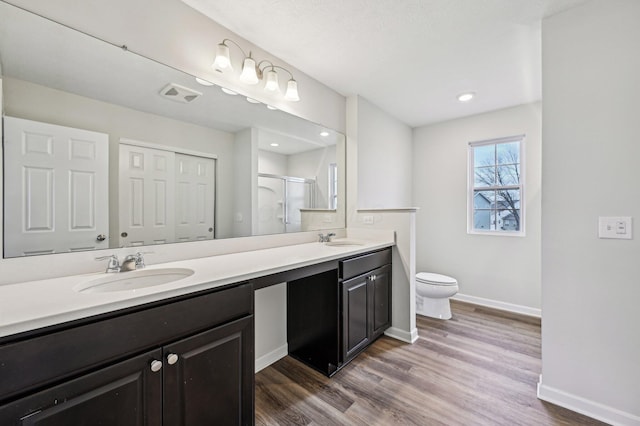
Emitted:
<point x="479" y="368"/>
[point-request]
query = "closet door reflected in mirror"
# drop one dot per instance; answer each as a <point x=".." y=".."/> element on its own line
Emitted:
<point x="165" y="196"/>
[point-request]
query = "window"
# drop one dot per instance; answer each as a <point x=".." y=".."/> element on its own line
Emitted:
<point x="333" y="186"/>
<point x="496" y="187"/>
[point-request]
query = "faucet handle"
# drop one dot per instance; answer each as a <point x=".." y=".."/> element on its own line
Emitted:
<point x="140" y="259"/>
<point x="114" y="263"/>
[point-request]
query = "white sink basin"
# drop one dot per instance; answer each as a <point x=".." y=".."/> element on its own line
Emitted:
<point x="344" y="242"/>
<point x="133" y="280"/>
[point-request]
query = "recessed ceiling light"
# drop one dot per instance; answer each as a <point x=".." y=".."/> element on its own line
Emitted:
<point x="275" y="144"/>
<point x="204" y="82"/>
<point x="466" y="97"/>
<point x="252" y="101"/>
<point x="228" y="91"/>
<point x="324" y="133"/>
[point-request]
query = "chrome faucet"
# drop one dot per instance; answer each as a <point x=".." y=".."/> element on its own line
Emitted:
<point x="133" y="262"/>
<point x="325" y="238"/>
<point x="130" y="263"/>
<point x="113" y="265"/>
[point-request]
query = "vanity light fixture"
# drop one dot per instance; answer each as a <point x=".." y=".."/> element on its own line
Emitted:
<point x="324" y="133"/>
<point x="274" y="144"/>
<point x="252" y="101"/>
<point x="271" y="107"/>
<point x="253" y="73"/>
<point x="466" y="97"/>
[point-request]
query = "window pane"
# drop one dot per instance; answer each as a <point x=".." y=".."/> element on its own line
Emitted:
<point x="508" y="153"/>
<point x="484" y="155"/>
<point x="509" y="220"/>
<point x="484" y="176"/>
<point x="483" y="220"/>
<point x="508" y="175"/>
<point x="508" y="199"/>
<point x="484" y="199"/>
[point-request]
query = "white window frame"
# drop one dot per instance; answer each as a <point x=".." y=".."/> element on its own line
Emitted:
<point x="521" y="186"/>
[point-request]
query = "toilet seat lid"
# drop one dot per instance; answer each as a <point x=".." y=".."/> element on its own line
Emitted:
<point x="436" y="279"/>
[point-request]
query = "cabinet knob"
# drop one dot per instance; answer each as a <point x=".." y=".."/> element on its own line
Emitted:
<point x="172" y="359"/>
<point x="156" y="365"/>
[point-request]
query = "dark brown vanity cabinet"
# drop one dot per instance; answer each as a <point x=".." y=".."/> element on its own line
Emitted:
<point x="189" y="362"/>
<point x="332" y="316"/>
<point x="365" y="302"/>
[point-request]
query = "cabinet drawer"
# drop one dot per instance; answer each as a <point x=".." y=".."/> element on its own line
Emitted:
<point x="362" y="264"/>
<point x="39" y="361"/>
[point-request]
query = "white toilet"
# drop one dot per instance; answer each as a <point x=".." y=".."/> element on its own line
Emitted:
<point x="433" y="292"/>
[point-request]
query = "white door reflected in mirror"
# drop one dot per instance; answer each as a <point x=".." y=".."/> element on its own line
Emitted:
<point x="56" y="186"/>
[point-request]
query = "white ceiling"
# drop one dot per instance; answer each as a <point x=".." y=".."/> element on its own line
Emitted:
<point x="409" y="57"/>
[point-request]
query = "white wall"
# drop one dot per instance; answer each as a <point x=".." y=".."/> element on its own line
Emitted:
<point x="499" y="268"/>
<point x="591" y="286"/>
<point x="314" y="164"/>
<point x="384" y="158"/>
<point x="272" y="163"/>
<point x="374" y="134"/>
<point x="245" y="172"/>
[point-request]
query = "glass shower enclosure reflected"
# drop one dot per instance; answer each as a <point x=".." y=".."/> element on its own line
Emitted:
<point x="280" y="199"/>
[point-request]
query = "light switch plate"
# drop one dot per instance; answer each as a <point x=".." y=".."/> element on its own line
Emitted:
<point x="620" y="227"/>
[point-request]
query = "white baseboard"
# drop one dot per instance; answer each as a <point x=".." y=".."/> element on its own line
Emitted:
<point x="402" y="335"/>
<point x="503" y="306"/>
<point x="266" y="360"/>
<point x="587" y="407"/>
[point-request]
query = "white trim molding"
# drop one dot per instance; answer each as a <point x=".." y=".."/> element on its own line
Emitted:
<point x="402" y="335"/>
<point x="275" y="355"/>
<point x="496" y="304"/>
<point x="585" y="406"/>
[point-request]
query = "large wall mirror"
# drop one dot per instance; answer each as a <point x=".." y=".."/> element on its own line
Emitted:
<point x="104" y="148"/>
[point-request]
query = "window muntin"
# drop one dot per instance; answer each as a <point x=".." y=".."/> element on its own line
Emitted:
<point x="496" y="186"/>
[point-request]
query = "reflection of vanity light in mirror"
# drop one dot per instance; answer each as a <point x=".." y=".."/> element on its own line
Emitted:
<point x="252" y="73"/>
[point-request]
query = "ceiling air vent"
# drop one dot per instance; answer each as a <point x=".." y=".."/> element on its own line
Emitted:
<point x="178" y="93"/>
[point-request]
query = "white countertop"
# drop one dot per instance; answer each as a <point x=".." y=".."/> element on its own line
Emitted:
<point x="35" y="304"/>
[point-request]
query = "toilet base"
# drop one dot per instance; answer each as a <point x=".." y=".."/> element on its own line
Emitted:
<point x="434" y="308"/>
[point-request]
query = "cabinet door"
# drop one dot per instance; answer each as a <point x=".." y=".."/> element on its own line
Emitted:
<point x="126" y="394"/>
<point x="355" y="317"/>
<point x="380" y="303"/>
<point x="209" y="377"/>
